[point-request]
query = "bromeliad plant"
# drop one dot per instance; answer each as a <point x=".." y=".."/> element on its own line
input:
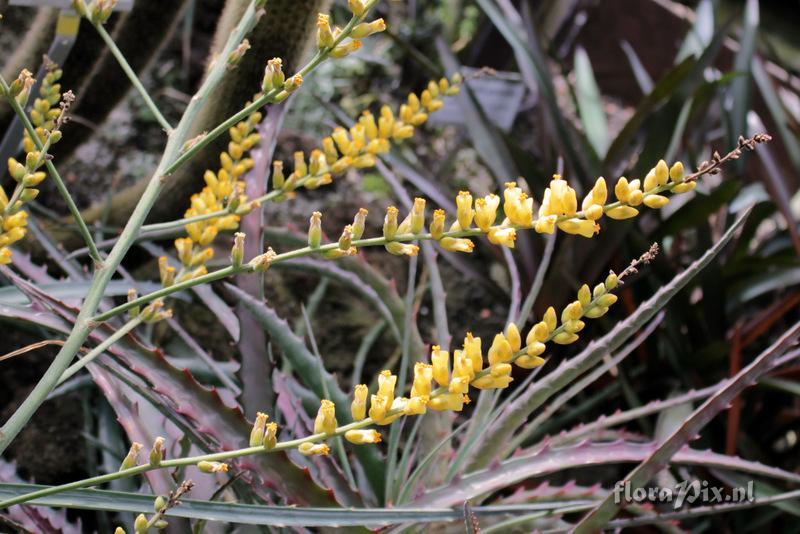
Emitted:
<point x="313" y="414"/>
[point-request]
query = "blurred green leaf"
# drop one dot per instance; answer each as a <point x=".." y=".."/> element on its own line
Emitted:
<point x="590" y="103"/>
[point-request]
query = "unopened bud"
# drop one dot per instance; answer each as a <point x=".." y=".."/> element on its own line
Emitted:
<point x="212" y="467"/>
<point x="358" y="223"/>
<point x="237" y="251"/>
<point x="344" y="50"/>
<point x="358" y="7"/>
<point x="315" y="230"/>
<point x="270" y="436"/>
<point x="346" y="239"/>
<point x="365" y="29"/>
<point x="157" y="452"/>
<point x="140" y="524"/>
<point x="390" y="222"/>
<point x="278" y="179"/>
<point x="325" y="38"/>
<point x="257" y="433"/>
<point x="132" y="458"/>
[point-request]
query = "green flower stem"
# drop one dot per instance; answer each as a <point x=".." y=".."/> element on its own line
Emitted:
<point x="20" y="188"/>
<point x="105" y="270"/>
<point x="51" y="169"/>
<point x="115" y="51"/>
<point x="266" y="98"/>
<point x="247" y="451"/>
<point x="307" y="251"/>
<point x="100" y="349"/>
<point x="179" y="462"/>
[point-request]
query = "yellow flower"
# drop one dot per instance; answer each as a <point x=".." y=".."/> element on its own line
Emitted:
<point x="447" y="401"/>
<point x="486" y="211"/>
<point x="517" y="206"/>
<point x="423" y="375"/>
<point x="513" y="337"/>
<point x="360" y="437"/>
<point x="655" y="201"/>
<point x="440" y="362"/>
<point x="270" y="436"/>
<point x="464" y="211"/>
<point x="546" y="224"/>
<point x="310" y="449"/>
<point x="583" y="227"/>
<point x="472" y="349"/>
<point x="257" y="434"/>
<point x="457" y="244"/>
<point x="386" y="385"/>
<point x="622" y="212"/>
<point x="326" y="418"/>
<point x="212" y="467"/>
<point x="416" y="405"/>
<point x="502" y="236"/>
<point x="358" y="408"/>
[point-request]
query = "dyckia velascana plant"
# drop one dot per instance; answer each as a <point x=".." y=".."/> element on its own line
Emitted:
<point x="439" y="434"/>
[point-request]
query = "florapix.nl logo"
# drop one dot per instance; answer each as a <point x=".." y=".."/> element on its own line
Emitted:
<point x="687" y="492"/>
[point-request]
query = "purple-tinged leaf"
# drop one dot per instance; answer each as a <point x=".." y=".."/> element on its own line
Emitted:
<point x="549" y="460"/>
<point x="516" y="413"/>
<point x="669" y="449"/>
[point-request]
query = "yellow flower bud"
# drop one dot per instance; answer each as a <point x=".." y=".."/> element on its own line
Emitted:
<point x="378" y="408"/>
<point x="457" y="244"/>
<point x="621" y="189"/>
<point x="607" y="300"/>
<point x="132" y="458"/>
<point x="315" y="230"/>
<point x="386" y="385"/>
<point x="361" y="437"/>
<point x="546" y="224"/>
<point x="536" y="348"/>
<point x="311" y="449"/>
<point x="655" y="201"/>
<point x="437" y="225"/>
<point x="259" y="427"/>
<point x="270" y="436"/>
<point x="513" y="337"/>
<point x="500" y="351"/>
<point x="676" y="173"/>
<point x="529" y="362"/>
<point x="416" y="405"/>
<point x="440" y="361"/>
<point x="582" y="227"/>
<point x="448" y="401"/>
<point x="540" y="332"/>
<point x="594" y="212"/>
<point x="358" y="7"/>
<point x="472" y="350"/>
<point x="565" y="338"/>
<point x="401" y="249"/>
<point x="358" y="408"/>
<point x="365" y="29"/>
<point x="650" y="181"/>
<point x="622" y="212"/>
<point x="502" y="236"/>
<point x="325" y="423"/>
<point x="390" y="223"/>
<point x="662" y="173"/>
<point x="550" y="319"/>
<point x="417" y="216"/>
<point x="325" y="37"/>
<point x="595" y="312"/>
<point x="344" y="50"/>
<point x="423" y="375"/>
<point x="486" y="211"/>
<point x="464" y="213"/>
<point x="684" y="187"/>
<point x="611" y="281"/>
<point x="157" y="452"/>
